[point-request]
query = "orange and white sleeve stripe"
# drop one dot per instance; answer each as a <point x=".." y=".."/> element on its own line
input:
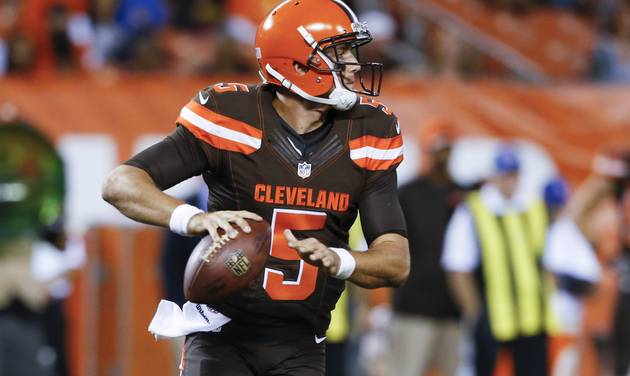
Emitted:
<point x="376" y="153"/>
<point x="218" y="130"/>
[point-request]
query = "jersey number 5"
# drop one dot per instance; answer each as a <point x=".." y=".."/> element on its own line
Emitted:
<point x="274" y="282"/>
<point x="230" y="87"/>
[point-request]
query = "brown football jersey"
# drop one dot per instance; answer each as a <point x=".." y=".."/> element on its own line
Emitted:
<point x="313" y="184"/>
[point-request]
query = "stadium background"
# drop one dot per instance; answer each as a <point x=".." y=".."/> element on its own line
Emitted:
<point x="550" y="73"/>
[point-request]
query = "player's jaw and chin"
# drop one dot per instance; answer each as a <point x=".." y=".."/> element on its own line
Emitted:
<point x="348" y="77"/>
<point x="323" y="109"/>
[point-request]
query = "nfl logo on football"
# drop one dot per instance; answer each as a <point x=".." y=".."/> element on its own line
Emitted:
<point x="304" y="170"/>
<point x="238" y="263"/>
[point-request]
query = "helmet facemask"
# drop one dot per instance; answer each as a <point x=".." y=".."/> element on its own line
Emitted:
<point x="369" y="74"/>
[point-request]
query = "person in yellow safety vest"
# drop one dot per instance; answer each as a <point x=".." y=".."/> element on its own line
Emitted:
<point x="492" y="253"/>
<point x="337" y="337"/>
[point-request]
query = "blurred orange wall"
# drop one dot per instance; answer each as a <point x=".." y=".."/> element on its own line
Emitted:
<point x="569" y="121"/>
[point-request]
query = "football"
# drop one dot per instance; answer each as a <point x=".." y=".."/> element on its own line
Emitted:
<point x="216" y="270"/>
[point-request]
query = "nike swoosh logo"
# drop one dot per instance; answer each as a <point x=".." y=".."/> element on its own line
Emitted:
<point x="202" y="99"/>
<point x="319" y="340"/>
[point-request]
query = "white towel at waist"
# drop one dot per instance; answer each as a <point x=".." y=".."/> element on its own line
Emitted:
<point x="171" y="321"/>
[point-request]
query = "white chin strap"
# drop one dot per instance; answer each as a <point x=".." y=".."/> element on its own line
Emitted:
<point x="340" y="98"/>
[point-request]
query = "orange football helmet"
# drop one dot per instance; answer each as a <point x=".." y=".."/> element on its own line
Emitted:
<point x="312" y="33"/>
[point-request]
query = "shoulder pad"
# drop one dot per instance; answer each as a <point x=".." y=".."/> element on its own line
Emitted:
<point x="231" y="89"/>
<point x="238" y="101"/>
<point x="375" y="139"/>
<point x="367" y="104"/>
<point x="224" y="120"/>
<point x="373" y="117"/>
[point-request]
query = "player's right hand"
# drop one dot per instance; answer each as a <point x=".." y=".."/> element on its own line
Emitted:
<point x="209" y="223"/>
<point x="613" y="164"/>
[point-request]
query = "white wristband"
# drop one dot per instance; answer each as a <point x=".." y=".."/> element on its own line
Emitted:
<point x="180" y="218"/>
<point x="609" y="166"/>
<point x="347" y="263"/>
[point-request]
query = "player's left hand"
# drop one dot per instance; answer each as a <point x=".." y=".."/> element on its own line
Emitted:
<point x="314" y="252"/>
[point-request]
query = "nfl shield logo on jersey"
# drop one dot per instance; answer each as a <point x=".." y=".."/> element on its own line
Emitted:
<point x="304" y="170"/>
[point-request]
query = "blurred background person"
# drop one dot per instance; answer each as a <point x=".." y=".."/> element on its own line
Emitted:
<point x="424" y="332"/>
<point x="374" y="315"/>
<point x="20" y="54"/>
<point x="571" y="257"/>
<point x="341" y="346"/>
<point x="105" y="34"/>
<point x="56" y="256"/>
<point x="141" y="22"/>
<point x="611" y="179"/>
<point x="338" y="357"/>
<point x="622" y="314"/>
<point x="57" y="24"/>
<point x="611" y="55"/>
<point x="492" y="250"/>
<point x="56" y="32"/>
<point x="195" y="38"/>
<point x="236" y="48"/>
<point x="31" y="196"/>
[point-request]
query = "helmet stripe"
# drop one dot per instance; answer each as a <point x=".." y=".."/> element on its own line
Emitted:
<point x="278" y="6"/>
<point x="347" y="9"/>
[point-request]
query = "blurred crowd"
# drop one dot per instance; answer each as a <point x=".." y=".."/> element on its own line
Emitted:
<point x="211" y="36"/>
<point x="580" y="6"/>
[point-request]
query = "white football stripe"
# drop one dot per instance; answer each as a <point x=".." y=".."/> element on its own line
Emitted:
<point x="218" y="130"/>
<point x="374" y="153"/>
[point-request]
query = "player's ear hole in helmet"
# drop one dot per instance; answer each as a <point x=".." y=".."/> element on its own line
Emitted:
<point x="301" y="69"/>
<point x="325" y="36"/>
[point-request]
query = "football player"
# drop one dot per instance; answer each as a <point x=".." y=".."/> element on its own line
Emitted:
<point x="306" y="150"/>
